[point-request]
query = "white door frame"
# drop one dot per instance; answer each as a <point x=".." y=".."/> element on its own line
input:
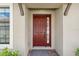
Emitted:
<point x="52" y="27"/>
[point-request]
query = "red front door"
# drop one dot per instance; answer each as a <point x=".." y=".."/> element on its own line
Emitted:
<point x="41" y="30"/>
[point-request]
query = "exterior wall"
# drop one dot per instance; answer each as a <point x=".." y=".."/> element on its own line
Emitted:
<point x="31" y="28"/>
<point x="66" y="29"/>
<point x="59" y="31"/>
<point x="27" y="30"/>
<point x="71" y="30"/>
<point x="19" y="41"/>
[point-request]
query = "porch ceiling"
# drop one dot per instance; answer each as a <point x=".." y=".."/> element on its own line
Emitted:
<point x="43" y="5"/>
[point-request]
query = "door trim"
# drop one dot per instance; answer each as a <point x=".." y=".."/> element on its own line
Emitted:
<point x="52" y="26"/>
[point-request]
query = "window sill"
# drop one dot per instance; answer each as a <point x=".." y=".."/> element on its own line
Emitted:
<point x="2" y="46"/>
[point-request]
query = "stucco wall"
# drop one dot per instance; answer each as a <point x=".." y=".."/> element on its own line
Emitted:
<point x="59" y="30"/>
<point x="19" y="40"/>
<point x="27" y="30"/>
<point x="71" y="30"/>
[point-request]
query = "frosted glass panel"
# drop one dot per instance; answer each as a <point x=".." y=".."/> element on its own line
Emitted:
<point x="47" y="29"/>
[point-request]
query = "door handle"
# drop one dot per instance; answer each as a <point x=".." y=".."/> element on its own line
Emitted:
<point x="47" y="37"/>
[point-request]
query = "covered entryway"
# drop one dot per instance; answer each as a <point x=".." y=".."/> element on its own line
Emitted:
<point x="42" y="27"/>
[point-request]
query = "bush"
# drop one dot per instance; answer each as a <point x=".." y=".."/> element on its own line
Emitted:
<point x="8" y="52"/>
<point x="77" y="52"/>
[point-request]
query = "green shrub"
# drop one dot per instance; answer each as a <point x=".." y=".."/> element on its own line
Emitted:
<point x="77" y="52"/>
<point x="8" y="52"/>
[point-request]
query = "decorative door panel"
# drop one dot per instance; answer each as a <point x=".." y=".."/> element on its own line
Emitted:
<point x="41" y="30"/>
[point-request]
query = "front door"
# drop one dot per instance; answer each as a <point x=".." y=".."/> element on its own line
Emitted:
<point x="41" y="30"/>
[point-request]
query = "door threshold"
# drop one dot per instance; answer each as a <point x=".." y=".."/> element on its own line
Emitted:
<point x="42" y="47"/>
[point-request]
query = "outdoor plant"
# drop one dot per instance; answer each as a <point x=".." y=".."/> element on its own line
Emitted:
<point x="8" y="52"/>
<point x="77" y="52"/>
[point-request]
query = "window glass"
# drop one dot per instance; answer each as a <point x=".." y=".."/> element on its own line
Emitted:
<point x="4" y="25"/>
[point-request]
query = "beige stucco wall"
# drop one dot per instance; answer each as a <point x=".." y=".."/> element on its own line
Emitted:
<point x="27" y="30"/>
<point x="59" y="30"/>
<point x="20" y="30"/>
<point x="71" y="30"/>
